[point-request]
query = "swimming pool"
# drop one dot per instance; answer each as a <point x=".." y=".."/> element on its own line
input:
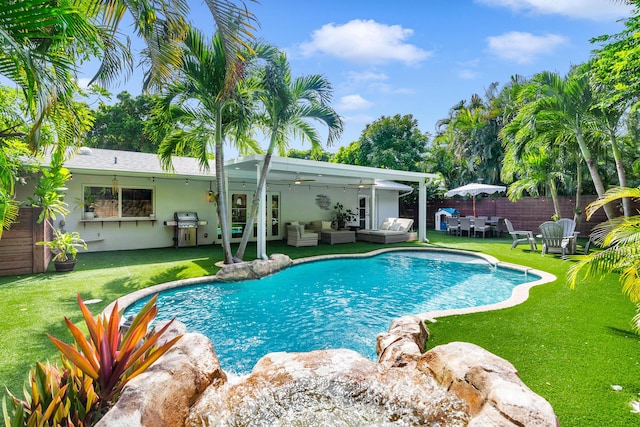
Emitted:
<point x="337" y="303"/>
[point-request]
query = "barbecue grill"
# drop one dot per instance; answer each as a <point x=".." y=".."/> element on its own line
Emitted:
<point x="185" y="228"/>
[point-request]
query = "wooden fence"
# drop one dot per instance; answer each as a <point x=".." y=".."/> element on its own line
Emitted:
<point x="525" y="214"/>
<point x="19" y="253"/>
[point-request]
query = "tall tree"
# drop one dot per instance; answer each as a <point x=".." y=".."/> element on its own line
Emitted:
<point x="202" y="110"/>
<point x="557" y="109"/>
<point x="123" y="125"/>
<point x="393" y="143"/>
<point x="288" y="107"/>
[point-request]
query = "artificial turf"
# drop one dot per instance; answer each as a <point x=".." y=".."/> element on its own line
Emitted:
<point x="570" y="346"/>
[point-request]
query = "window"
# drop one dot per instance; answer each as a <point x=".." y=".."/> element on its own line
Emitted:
<point x="122" y="202"/>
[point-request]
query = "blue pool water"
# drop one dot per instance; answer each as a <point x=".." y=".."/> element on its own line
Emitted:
<point x="341" y="303"/>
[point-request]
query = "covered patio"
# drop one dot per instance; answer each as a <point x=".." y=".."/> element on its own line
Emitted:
<point x="333" y="179"/>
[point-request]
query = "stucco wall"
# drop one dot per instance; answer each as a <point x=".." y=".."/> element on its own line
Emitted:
<point x="297" y="203"/>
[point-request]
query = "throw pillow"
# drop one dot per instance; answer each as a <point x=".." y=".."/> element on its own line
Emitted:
<point x="385" y="225"/>
<point x="326" y="225"/>
<point x="395" y="226"/>
<point x="295" y="223"/>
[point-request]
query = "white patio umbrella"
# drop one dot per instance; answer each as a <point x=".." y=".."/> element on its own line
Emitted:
<point x="473" y="190"/>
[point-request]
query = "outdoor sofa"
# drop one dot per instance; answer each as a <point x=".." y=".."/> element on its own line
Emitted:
<point x="392" y="230"/>
<point x="297" y="236"/>
<point x="312" y="226"/>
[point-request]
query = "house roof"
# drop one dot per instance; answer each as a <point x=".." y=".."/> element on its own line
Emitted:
<point x="109" y="162"/>
<point x="283" y="169"/>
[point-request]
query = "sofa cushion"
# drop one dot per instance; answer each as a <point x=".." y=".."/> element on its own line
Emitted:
<point x="326" y="225"/>
<point x="395" y="226"/>
<point x="385" y="225"/>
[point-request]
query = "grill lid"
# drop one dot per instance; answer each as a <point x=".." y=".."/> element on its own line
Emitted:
<point x="186" y="216"/>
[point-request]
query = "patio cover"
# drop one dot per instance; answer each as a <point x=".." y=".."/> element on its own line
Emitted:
<point x="473" y="190"/>
<point x="287" y="168"/>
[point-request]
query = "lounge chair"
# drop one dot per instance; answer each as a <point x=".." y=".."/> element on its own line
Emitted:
<point x="520" y="236"/>
<point x="297" y="236"/>
<point x="392" y="230"/>
<point x="553" y="240"/>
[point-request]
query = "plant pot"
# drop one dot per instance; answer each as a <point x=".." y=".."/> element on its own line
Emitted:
<point x="89" y="215"/>
<point x="65" y="266"/>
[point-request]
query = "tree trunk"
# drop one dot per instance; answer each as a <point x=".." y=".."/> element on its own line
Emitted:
<point x="222" y="192"/>
<point x="554" y="198"/>
<point x="577" y="211"/>
<point x="622" y="177"/>
<point x="255" y="205"/>
<point x="593" y="171"/>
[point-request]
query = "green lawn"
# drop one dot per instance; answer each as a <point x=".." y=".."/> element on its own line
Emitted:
<point x="569" y="346"/>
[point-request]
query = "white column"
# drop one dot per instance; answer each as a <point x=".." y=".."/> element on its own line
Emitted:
<point x="422" y="211"/>
<point x="261" y="243"/>
<point x="374" y="209"/>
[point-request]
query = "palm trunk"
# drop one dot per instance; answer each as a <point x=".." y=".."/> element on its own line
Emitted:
<point x="622" y="177"/>
<point x="255" y="202"/>
<point x="554" y="198"/>
<point x="222" y="192"/>
<point x="593" y="171"/>
<point x="577" y="212"/>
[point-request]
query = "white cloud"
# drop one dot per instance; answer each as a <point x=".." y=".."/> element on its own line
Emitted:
<point x="353" y="102"/>
<point x="597" y="10"/>
<point x="523" y="47"/>
<point x="365" y="42"/>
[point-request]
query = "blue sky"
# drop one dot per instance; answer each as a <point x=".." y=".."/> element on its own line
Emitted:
<point x="422" y="57"/>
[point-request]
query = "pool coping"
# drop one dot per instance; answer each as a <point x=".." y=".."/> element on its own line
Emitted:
<point x="519" y="294"/>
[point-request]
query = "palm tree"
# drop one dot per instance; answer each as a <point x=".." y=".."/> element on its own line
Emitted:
<point x="200" y="111"/>
<point x="620" y="239"/>
<point x="287" y="106"/>
<point x="45" y="42"/>
<point x="562" y="106"/>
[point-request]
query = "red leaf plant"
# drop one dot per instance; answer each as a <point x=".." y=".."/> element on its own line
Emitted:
<point x="107" y="356"/>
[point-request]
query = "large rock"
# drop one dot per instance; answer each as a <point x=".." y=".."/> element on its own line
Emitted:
<point x="328" y="388"/>
<point x="450" y="385"/>
<point x="489" y="384"/>
<point x="403" y="344"/>
<point x="162" y="395"/>
<point x="253" y="269"/>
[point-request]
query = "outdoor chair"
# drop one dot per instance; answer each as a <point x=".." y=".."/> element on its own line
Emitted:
<point x="568" y="227"/>
<point x="553" y="240"/>
<point x="520" y="236"/>
<point x="465" y="225"/>
<point x="481" y="226"/>
<point x="453" y="227"/>
<point x="297" y="236"/>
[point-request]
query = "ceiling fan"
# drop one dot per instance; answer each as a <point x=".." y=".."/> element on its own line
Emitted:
<point x="362" y="184"/>
<point x="300" y="180"/>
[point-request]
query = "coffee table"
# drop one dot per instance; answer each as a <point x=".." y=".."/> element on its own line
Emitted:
<point x="338" y="236"/>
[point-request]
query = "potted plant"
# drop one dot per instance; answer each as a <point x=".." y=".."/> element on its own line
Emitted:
<point x="342" y="215"/>
<point x="64" y="246"/>
<point x="88" y="202"/>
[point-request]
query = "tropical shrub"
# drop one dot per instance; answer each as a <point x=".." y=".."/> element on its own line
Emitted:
<point x="94" y="370"/>
<point x="619" y="239"/>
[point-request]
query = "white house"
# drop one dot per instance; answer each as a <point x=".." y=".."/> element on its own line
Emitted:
<point x="133" y="197"/>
